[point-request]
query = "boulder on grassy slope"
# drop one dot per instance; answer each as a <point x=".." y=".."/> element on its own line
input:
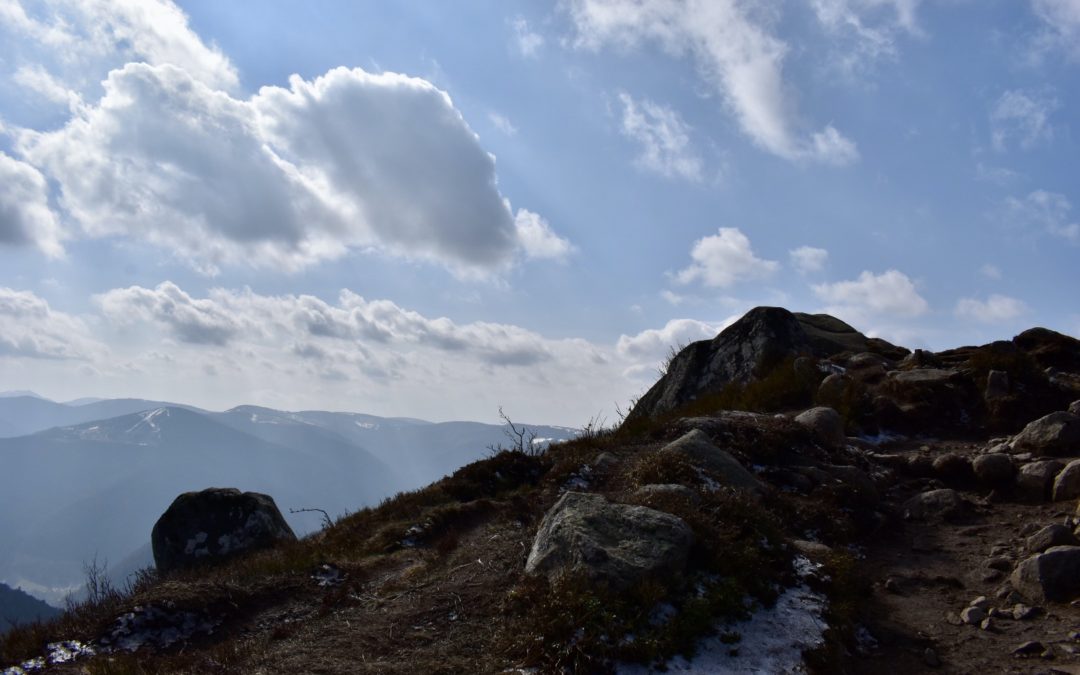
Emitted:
<point x="827" y="423"/>
<point x="616" y="544"/>
<point x="215" y="524"/>
<point x="698" y="449"/>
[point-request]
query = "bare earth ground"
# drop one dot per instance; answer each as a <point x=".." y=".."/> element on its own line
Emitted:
<point x="924" y="574"/>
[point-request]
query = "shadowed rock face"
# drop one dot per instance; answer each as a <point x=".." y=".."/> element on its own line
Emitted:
<point x="214" y="524"/>
<point x="748" y="350"/>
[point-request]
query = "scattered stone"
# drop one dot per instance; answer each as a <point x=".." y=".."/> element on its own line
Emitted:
<point x="981" y="602"/>
<point x="999" y="563"/>
<point x="1056" y="434"/>
<point x="1022" y="612"/>
<point x="826" y="423"/>
<point x="1051" y="535"/>
<point x="973" y="616"/>
<point x="952" y="468"/>
<point x="988" y="625"/>
<point x="699" y="450"/>
<point x="1052" y="576"/>
<point x="605" y="462"/>
<point x="613" y="543"/>
<point x="1074" y="408"/>
<point x="1029" y="648"/>
<point x="993" y="470"/>
<point x="943" y="504"/>
<point x="833" y="388"/>
<point x="1067" y="482"/>
<point x="811" y="549"/>
<point x="892" y="585"/>
<point x="1036" y="478"/>
<point x="930" y="658"/>
<point x="214" y="524"/>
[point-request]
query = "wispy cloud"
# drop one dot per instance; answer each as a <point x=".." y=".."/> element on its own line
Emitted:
<point x="663" y="136"/>
<point x="737" y="56"/>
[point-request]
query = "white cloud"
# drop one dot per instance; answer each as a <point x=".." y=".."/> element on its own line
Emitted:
<point x="502" y="123"/>
<point x="1049" y="211"/>
<point x="1023" y="116"/>
<point x="863" y="31"/>
<point x="25" y="216"/>
<point x="990" y="271"/>
<point x="300" y="350"/>
<point x="807" y="259"/>
<point x="653" y="344"/>
<point x="724" y="259"/>
<point x="994" y="309"/>
<point x="536" y="238"/>
<point x="30" y="328"/>
<point x="226" y="316"/>
<point x="891" y="293"/>
<point x="527" y="40"/>
<point x="1061" y="19"/>
<point x="734" y="52"/>
<point x="38" y="80"/>
<point x="78" y="41"/>
<point x="285" y="179"/>
<point x="663" y="136"/>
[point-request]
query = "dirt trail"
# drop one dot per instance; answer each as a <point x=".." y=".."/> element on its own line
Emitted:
<point x="924" y="574"/>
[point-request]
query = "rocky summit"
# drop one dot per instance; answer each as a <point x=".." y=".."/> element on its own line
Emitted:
<point x="791" y="496"/>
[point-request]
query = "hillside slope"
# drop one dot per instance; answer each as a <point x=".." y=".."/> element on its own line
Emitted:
<point x="898" y="534"/>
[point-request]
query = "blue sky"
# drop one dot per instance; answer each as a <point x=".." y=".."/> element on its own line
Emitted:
<point x="434" y="209"/>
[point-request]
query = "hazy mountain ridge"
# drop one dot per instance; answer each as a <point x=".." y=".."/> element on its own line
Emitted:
<point x="17" y="607"/>
<point x="118" y="473"/>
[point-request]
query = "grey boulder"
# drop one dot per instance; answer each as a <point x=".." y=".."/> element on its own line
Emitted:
<point x="1056" y="434"/>
<point x="1053" y="575"/>
<point x="616" y="544"/>
<point x="698" y="449"/>
<point x="1036" y="478"/>
<point x="994" y="469"/>
<point x="1067" y="482"/>
<point x="1050" y="536"/>
<point x="215" y="524"/>
<point x="826" y="423"/>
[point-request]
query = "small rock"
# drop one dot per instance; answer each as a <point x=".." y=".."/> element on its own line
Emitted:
<point x="1029" y="648"/>
<point x="982" y="602"/>
<point x="944" y="504"/>
<point x="931" y="658"/>
<point x="990" y="576"/>
<point x="1074" y="407"/>
<point x="993" y="470"/>
<point x="1022" y="612"/>
<point x="812" y="549"/>
<point x="999" y="563"/>
<point x="1051" y="535"/>
<point x="973" y="615"/>
<point x="952" y="468"/>
<point x="666" y="489"/>
<point x="988" y="625"/>
<point x="892" y="585"/>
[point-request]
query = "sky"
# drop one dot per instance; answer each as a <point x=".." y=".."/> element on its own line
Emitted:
<point x="435" y="209"/>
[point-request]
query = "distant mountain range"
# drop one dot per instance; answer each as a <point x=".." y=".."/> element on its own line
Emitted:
<point x="89" y="479"/>
<point x="17" y="607"/>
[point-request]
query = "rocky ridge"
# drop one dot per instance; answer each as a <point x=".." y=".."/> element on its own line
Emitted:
<point x="920" y="507"/>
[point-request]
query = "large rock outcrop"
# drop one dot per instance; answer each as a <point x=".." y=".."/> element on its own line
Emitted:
<point x="214" y="524"/>
<point x="748" y="350"/>
<point x="616" y="544"/>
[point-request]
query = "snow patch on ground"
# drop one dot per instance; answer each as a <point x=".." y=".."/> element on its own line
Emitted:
<point x="772" y="641"/>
